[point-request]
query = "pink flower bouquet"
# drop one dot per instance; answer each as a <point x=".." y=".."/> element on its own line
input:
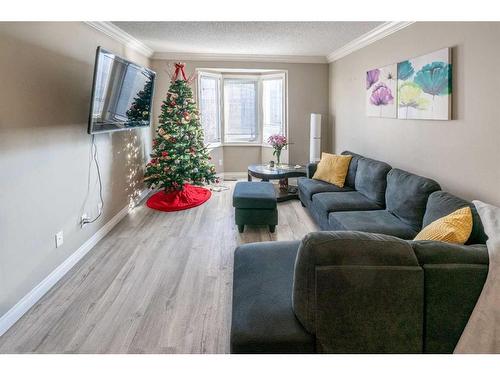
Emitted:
<point x="278" y="142"/>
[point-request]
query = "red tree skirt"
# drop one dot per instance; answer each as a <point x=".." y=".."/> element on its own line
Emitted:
<point x="191" y="196"/>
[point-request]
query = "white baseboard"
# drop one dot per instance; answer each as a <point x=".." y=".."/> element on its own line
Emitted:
<point x="20" y="308"/>
<point x="233" y="175"/>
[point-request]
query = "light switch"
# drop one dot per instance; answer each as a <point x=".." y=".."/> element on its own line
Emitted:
<point x="59" y="238"/>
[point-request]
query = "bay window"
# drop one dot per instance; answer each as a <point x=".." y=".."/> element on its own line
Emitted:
<point x="242" y="109"/>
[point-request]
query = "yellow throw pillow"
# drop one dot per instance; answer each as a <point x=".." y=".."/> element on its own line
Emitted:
<point x="453" y="228"/>
<point x="333" y="168"/>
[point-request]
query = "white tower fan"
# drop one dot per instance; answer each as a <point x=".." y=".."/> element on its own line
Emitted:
<point x="315" y="138"/>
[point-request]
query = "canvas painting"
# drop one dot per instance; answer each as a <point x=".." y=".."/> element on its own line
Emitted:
<point x="381" y="86"/>
<point x="424" y="87"/>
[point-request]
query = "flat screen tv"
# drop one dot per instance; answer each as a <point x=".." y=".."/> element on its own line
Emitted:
<point x="122" y="94"/>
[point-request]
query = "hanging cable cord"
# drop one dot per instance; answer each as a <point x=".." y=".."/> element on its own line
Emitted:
<point x="95" y="157"/>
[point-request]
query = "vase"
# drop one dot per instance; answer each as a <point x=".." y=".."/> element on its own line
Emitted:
<point x="278" y="155"/>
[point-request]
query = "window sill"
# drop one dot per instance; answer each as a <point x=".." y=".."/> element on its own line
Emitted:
<point x="242" y="144"/>
<point x="211" y="146"/>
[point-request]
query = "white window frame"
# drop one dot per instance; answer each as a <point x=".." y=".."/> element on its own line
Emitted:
<point x="260" y="142"/>
<point x="245" y="77"/>
<point x="218" y="77"/>
<point x="284" y="106"/>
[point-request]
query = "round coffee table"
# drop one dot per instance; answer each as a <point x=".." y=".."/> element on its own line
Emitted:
<point x="282" y="172"/>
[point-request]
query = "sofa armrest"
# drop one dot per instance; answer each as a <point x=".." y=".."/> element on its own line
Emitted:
<point x="359" y="293"/>
<point x="311" y="169"/>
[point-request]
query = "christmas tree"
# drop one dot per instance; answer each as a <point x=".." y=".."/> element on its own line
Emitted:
<point x="139" y="110"/>
<point x="179" y="154"/>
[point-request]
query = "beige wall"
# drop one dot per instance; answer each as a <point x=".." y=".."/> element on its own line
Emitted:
<point x="307" y="92"/>
<point x="46" y="76"/>
<point x="237" y="159"/>
<point x="463" y="155"/>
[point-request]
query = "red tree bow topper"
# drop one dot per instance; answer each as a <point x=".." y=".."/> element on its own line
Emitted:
<point x="179" y="68"/>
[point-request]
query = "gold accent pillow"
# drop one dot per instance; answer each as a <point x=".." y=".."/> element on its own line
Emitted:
<point x="333" y="168"/>
<point x="453" y="228"/>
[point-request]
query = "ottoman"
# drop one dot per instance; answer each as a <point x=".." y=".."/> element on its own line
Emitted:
<point x="255" y="204"/>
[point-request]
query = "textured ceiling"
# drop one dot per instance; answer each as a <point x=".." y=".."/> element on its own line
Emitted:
<point x="259" y="38"/>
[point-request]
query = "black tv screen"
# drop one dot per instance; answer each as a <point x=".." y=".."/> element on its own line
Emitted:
<point x="122" y="94"/>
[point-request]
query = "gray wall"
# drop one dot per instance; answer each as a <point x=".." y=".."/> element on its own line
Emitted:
<point x="463" y="155"/>
<point x="307" y="92"/>
<point x="46" y="75"/>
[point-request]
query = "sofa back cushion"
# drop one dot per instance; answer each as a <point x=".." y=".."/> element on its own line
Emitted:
<point x="350" y="179"/>
<point x="371" y="179"/>
<point x="441" y="203"/>
<point x="407" y="194"/>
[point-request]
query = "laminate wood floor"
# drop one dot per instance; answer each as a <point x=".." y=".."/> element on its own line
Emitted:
<point x="157" y="283"/>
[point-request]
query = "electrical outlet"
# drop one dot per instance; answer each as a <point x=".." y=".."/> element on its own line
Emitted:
<point x="59" y="238"/>
<point x="220" y="162"/>
<point x="84" y="220"/>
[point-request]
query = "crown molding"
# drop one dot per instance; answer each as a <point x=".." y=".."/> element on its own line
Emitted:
<point x="238" y="57"/>
<point x="370" y="37"/>
<point x="121" y="36"/>
<point x="128" y="40"/>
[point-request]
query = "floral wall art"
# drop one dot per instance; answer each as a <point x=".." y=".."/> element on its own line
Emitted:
<point x="417" y="88"/>
<point x="424" y="87"/>
<point x="381" y="86"/>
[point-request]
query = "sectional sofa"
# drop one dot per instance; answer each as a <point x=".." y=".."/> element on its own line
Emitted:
<point x="361" y="285"/>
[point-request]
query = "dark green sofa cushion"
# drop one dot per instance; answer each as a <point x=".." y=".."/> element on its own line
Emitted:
<point x="324" y="203"/>
<point x="263" y="320"/>
<point x="406" y="196"/>
<point x="379" y="221"/>
<point x="435" y="252"/>
<point x="350" y="179"/>
<point x="371" y="179"/>
<point x="254" y="195"/>
<point x="308" y="187"/>
<point x="345" y="201"/>
<point x="311" y="169"/>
